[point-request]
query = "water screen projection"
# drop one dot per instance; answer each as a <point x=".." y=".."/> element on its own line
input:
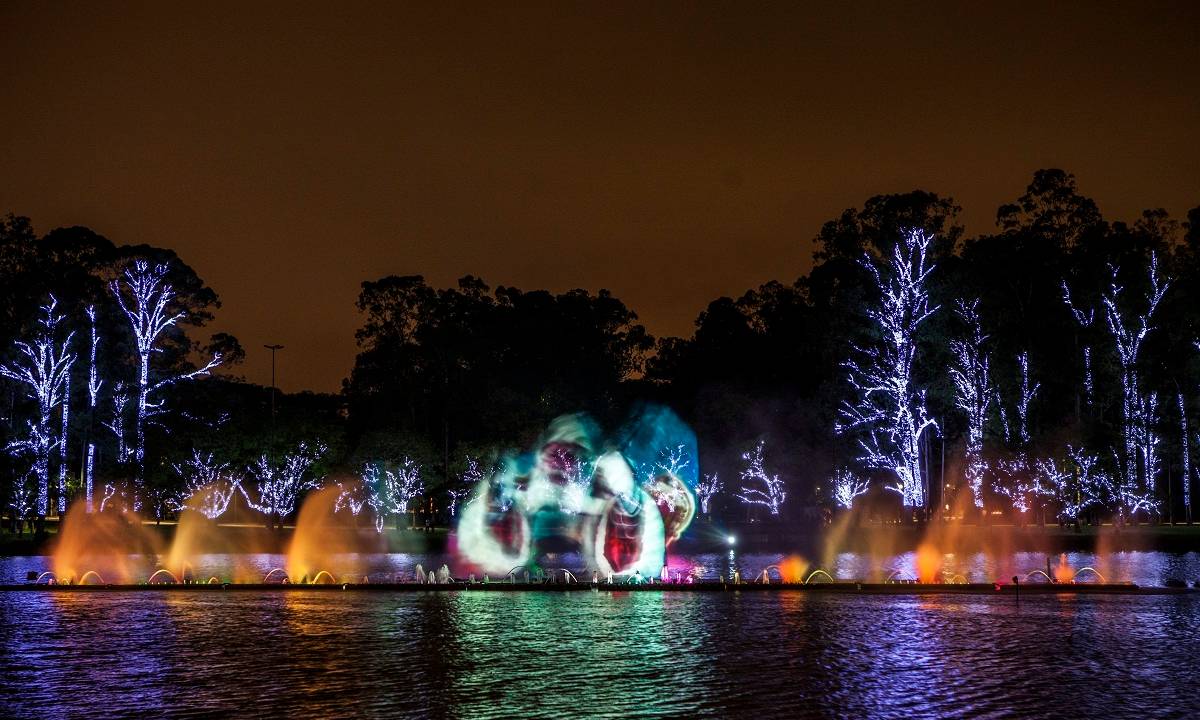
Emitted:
<point x="619" y="500"/>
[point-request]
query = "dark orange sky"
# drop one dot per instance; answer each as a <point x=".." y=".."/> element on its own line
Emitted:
<point x="671" y="154"/>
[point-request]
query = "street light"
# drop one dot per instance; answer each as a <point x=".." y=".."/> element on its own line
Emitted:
<point x="273" y="348"/>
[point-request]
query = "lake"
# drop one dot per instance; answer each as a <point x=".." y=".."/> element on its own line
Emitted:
<point x="605" y="653"/>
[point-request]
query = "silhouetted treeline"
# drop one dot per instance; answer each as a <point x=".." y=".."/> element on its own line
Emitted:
<point x="447" y="372"/>
<point x="462" y="369"/>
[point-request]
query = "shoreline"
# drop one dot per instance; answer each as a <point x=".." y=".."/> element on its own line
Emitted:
<point x="706" y="537"/>
<point x="840" y="587"/>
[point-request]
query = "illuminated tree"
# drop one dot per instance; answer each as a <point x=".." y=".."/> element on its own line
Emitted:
<point x="1023" y="483"/>
<point x="21" y="499"/>
<point x="94" y="384"/>
<point x="467" y="483"/>
<point x="1084" y="319"/>
<point x="672" y="462"/>
<point x="279" y="485"/>
<point x="1027" y="394"/>
<point x="1185" y="443"/>
<point x="457" y="495"/>
<point x="1018" y="477"/>
<point x="394" y="488"/>
<point x="42" y="370"/>
<point x="1060" y="483"/>
<point x="109" y="493"/>
<point x="1087" y="484"/>
<point x="120" y="402"/>
<point x="846" y="487"/>
<point x="763" y="489"/>
<point x="889" y="410"/>
<point x="62" y="444"/>
<point x="1129" y="329"/>
<point x="708" y="486"/>
<point x="1149" y="441"/>
<point x="355" y="496"/>
<point x="972" y="380"/>
<point x="208" y="485"/>
<point x="145" y="298"/>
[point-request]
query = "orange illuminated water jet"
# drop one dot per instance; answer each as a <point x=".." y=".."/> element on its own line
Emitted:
<point x="793" y="568"/>
<point x="117" y="546"/>
<point x="323" y="541"/>
<point x="928" y="563"/>
<point x="1063" y="572"/>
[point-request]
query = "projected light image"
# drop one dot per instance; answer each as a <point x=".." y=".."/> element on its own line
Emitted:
<point x="578" y="491"/>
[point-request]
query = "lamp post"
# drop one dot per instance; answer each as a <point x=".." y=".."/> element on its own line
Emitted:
<point x="271" y="450"/>
<point x="273" y="348"/>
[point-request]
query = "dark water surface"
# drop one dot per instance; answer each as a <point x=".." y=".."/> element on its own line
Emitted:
<point x="481" y="655"/>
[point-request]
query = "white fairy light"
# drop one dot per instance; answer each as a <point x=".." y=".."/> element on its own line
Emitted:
<point x="889" y="409"/>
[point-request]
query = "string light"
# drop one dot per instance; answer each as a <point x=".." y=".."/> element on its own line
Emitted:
<point x="1085" y="321"/>
<point x="972" y="380"/>
<point x="1137" y="410"/>
<point x="279" y="485"/>
<point x="1185" y="442"/>
<point x="706" y="488"/>
<point x="846" y="487"/>
<point x="391" y="490"/>
<point x="671" y="462"/>
<point x="22" y="498"/>
<point x="43" y="369"/>
<point x="768" y="490"/>
<point x="148" y="314"/>
<point x="208" y="485"/>
<point x="1027" y="394"/>
<point x="889" y="409"/>
<point x="94" y="384"/>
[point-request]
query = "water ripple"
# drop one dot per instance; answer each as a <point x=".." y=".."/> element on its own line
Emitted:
<point x="601" y="654"/>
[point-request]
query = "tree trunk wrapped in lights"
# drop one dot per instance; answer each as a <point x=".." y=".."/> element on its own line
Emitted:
<point x="1138" y="458"/>
<point x="706" y="488"/>
<point x="975" y="392"/>
<point x="42" y="370"/>
<point x="888" y="409"/>
<point x="94" y="384"/>
<point x="846" y="487"/>
<point x="145" y="297"/>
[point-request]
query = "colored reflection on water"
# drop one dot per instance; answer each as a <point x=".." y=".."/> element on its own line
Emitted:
<point x="484" y="655"/>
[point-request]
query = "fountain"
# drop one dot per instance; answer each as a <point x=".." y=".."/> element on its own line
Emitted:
<point x="118" y="543"/>
<point x="118" y="551"/>
<point x="324" y="540"/>
<point x="1092" y="570"/>
<point x="928" y="563"/>
<point x="818" y="571"/>
<point x="163" y="572"/>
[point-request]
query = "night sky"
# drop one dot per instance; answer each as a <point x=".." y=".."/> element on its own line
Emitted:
<point x="671" y="154"/>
